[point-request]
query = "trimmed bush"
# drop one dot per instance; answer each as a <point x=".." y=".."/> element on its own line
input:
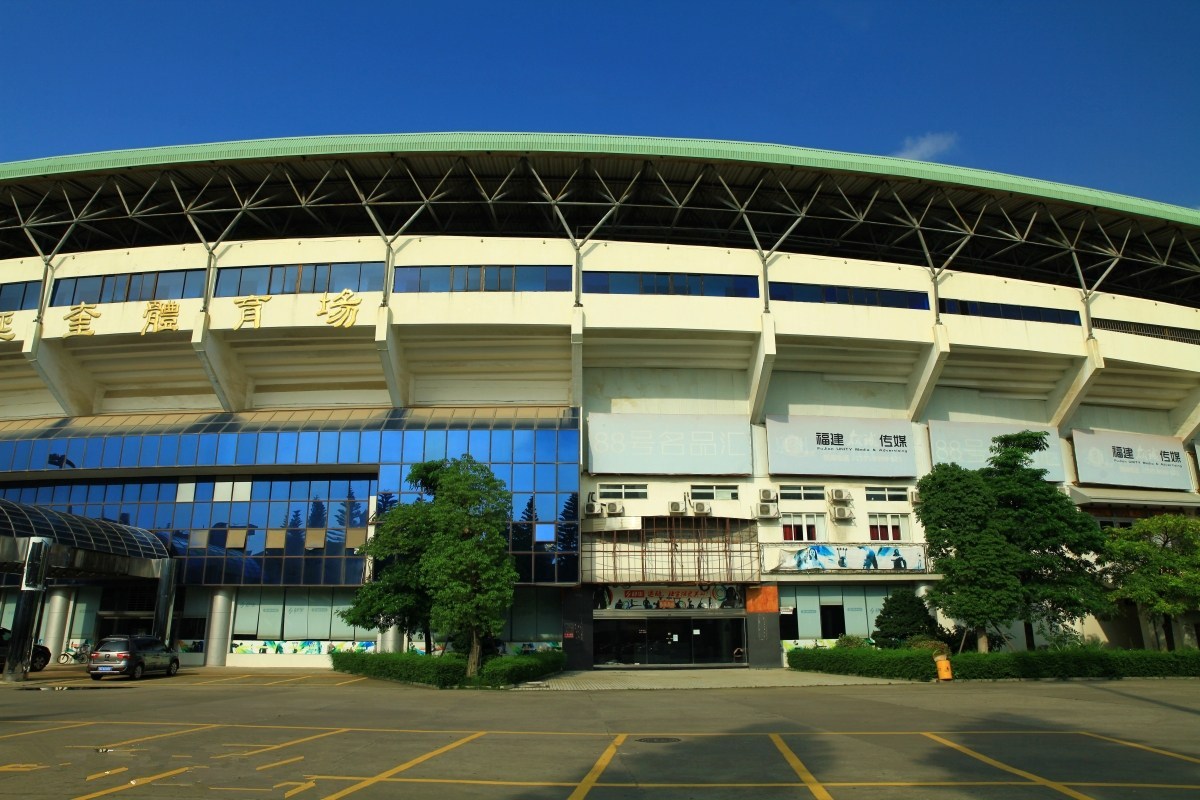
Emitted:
<point x="850" y="640"/>
<point x="910" y="665"/>
<point x="505" y="670"/>
<point x="442" y="671"/>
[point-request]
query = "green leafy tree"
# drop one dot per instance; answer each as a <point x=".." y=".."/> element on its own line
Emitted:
<point x="902" y="616"/>
<point x="1156" y="564"/>
<point x="1009" y="545"/>
<point x="443" y="560"/>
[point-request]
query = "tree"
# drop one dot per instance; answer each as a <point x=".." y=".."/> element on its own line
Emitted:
<point x="1009" y="545"/>
<point x="1156" y="564"/>
<point x="442" y="561"/>
<point x="902" y="616"/>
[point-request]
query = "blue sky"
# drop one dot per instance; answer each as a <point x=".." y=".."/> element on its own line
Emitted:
<point x="1102" y="94"/>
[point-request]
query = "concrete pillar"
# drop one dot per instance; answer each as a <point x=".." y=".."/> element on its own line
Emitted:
<point x="220" y="623"/>
<point x="29" y="599"/>
<point x="55" y="617"/>
<point x="391" y="641"/>
<point x="164" y="600"/>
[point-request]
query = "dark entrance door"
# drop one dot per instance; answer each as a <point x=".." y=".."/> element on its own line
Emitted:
<point x="670" y="641"/>
<point x="833" y="621"/>
<point x="619" y="641"/>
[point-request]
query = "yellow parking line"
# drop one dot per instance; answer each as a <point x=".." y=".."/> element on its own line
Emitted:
<point x="113" y="771"/>
<point x="597" y="769"/>
<point x="355" y="680"/>
<point x="1143" y="747"/>
<point x="46" y="730"/>
<point x="811" y="783"/>
<point x="217" y="680"/>
<point x="161" y="735"/>
<point x="406" y="765"/>
<point x="133" y="783"/>
<point x="283" y="744"/>
<point x="279" y="763"/>
<point x="288" y="680"/>
<point x="1039" y="780"/>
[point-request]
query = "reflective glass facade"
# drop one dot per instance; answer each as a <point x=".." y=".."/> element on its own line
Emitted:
<point x="129" y="287"/>
<point x="483" y="278"/>
<point x="235" y="509"/>
<point x="19" y="296"/>
<point x="356" y="276"/>
<point x="976" y="308"/>
<point x="848" y="295"/>
<point x="679" y="283"/>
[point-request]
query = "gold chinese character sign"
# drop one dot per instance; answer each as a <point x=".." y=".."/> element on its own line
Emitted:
<point x="161" y="315"/>
<point x="251" y="310"/>
<point x="79" y="319"/>
<point x="341" y="311"/>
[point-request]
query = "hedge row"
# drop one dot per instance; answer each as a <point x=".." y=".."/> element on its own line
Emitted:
<point x="912" y="665"/>
<point x="1028" y="665"/>
<point x="448" y="670"/>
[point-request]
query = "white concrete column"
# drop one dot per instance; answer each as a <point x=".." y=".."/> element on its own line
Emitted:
<point x="390" y="641"/>
<point x="55" y="616"/>
<point x="220" y="623"/>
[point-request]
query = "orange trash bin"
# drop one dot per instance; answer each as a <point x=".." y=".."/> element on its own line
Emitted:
<point x="944" y="672"/>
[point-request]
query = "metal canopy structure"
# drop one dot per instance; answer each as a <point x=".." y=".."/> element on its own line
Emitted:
<point x="78" y="533"/>
<point x="768" y="199"/>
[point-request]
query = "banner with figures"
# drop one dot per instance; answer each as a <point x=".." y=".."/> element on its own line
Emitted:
<point x="833" y="557"/>
<point x="648" y="597"/>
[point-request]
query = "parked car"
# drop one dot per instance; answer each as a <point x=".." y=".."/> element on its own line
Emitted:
<point x="133" y="656"/>
<point x="37" y="660"/>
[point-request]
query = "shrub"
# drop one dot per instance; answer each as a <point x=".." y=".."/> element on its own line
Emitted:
<point x="850" y="640"/>
<point x="902" y="616"/>
<point x="443" y="671"/>
<point x="1079" y="662"/>
<point x="505" y="670"/>
<point x="926" y="642"/>
<point x="912" y="665"/>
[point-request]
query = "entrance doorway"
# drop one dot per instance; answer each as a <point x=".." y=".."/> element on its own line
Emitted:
<point x="669" y="641"/>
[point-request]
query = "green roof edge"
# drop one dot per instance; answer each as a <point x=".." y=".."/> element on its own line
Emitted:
<point x="589" y="144"/>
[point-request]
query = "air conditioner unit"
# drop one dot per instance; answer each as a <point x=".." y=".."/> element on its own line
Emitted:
<point x="769" y="510"/>
<point x="615" y="508"/>
<point x="702" y="507"/>
<point x="593" y="509"/>
<point x="914" y="497"/>
<point x="842" y="512"/>
<point x="766" y="496"/>
<point x="677" y="507"/>
<point x="840" y="495"/>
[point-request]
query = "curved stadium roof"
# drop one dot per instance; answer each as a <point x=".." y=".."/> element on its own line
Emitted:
<point x="768" y="198"/>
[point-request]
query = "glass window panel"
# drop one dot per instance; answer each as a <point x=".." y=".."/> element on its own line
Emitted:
<point x="478" y="445"/>
<point x="113" y="492"/>
<point x="568" y="567"/>
<point x="169" y="285"/>
<point x="355" y="568"/>
<point x="227" y="449"/>
<point x="247" y="447"/>
<point x="507" y="278"/>
<point x="332" y="572"/>
<point x="39" y="455"/>
<point x="87" y="290"/>
<point x="6" y="455"/>
<point x="368" y="447"/>
<point x="413" y="450"/>
<point x="343" y="276"/>
<point x="595" y="282"/>
<point x="568" y="478"/>
<point x="272" y="575"/>
<point x="503" y="473"/>
<point x="522" y="480"/>
<point x="193" y="283"/>
<point x="370" y="276"/>
<point x="435" y="445"/>
<point x="544" y="532"/>
<point x="64" y="292"/>
<point x="502" y="445"/>
<point x="543" y="568"/>
<point x="327" y="447"/>
<point x="624" y="283"/>
<point x="523" y="445"/>
<point x="129" y="450"/>
<point x="204" y="490"/>
<point x="458" y="279"/>
<point x="546" y="504"/>
<point x="255" y="280"/>
<point x="545" y="477"/>
<point x="566" y="502"/>
<point x="206" y="453"/>
<point x="149" y="452"/>
<point x="313" y="570"/>
<point x="456" y="443"/>
<point x="285" y="448"/>
<point x="168" y="450"/>
<point x="408" y="280"/>
<point x="306" y="449"/>
<point x="435" y="279"/>
<point x="112" y="453"/>
<point x="264" y="448"/>
<point x="558" y="279"/>
<point x="188" y="449"/>
<point x="227" y="282"/>
<point x="547" y="445"/>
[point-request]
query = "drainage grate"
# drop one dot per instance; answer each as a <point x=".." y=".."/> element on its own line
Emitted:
<point x="657" y="739"/>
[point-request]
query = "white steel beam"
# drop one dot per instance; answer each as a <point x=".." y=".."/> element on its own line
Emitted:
<point x="229" y="381"/>
<point x="1185" y="417"/>
<point x="759" y="374"/>
<point x="1073" y="388"/>
<point x="922" y="384"/>
<point x="576" y="388"/>
<point x="388" y="346"/>
<point x="68" y="382"/>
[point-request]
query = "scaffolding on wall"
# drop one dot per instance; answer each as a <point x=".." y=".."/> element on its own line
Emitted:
<point x="674" y="550"/>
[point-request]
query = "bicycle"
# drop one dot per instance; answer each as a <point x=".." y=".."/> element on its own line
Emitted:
<point x="77" y="656"/>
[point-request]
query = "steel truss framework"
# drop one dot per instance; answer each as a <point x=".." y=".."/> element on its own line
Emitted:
<point x="764" y="208"/>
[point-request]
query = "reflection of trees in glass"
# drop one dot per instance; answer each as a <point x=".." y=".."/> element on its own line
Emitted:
<point x="296" y="523"/>
<point x="522" y="529"/>
<point x="566" y="539"/>
<point x="385" y="502"/>
<point x="350" y="513"/>
<point x="318" y="516"/>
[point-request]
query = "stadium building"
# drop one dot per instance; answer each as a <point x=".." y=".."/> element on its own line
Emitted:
<point x="711" y="374"/>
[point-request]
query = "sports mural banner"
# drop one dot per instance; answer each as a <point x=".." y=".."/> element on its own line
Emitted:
<point x="834" y="557"/>
<point x="668" y="598"/>
<point x="969" y="444"/>
<point x="1131" y="459"/>
<point x="841" y="446"/>
<point x="669" y="444"/>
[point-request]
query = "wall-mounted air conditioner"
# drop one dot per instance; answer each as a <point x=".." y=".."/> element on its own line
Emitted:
<point x="766" y="495"/>
<point x="840" y="495"/>
<point x="677" y="507"/>
<point x="702" y="507"/>
<point x="914" y="497"/>
<point x="615" y="508"/>
<point x="593" y="509"/>
<point x="842" y="512"/>
<point x="767" y="510"/>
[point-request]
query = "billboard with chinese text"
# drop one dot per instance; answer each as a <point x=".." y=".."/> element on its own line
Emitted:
<point x="968" y="444"/>
<point x="1131" y="459"/>
<point x="840" y="446"/>
<point x="668" y="444"/>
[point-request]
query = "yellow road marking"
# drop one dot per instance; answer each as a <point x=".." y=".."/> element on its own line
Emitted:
<point x="217" y="680"/>
<point x="1039" y="780"/>
<point x="22" y="767"/>
<point x="811" y="783"/>
<point x="1137" y="785"/>
<point x="113" y="771"/>
<point x="282" y="745"/>
<point x="134" y="783"/>
<point x="161" y="735"/>
<point x="234" y="789"/>
<point x="406" y="765"/>
<point x="47" y="730"/>
<point x="300" y="787"/>
<point x="593" y="776"/>
<point x="279" y="763"/>
<point x="288" y="680"/>
<point x="1143" y="747"/>
<point x="356" y="680"/>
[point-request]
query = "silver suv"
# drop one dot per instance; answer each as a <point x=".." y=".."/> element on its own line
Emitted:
<point x="133" y="656"/>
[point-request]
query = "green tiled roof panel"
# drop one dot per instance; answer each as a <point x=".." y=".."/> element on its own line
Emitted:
<point x="585" y="144"/>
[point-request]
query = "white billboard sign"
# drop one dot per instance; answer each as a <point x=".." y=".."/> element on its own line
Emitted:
<point x="669" y="444"/>
<point x="1114" y="458"/>
<point x="968" y="444"/>
<point x="840" y="446"/>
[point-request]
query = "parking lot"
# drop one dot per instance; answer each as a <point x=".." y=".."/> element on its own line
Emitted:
<point x="209" y="733"/>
